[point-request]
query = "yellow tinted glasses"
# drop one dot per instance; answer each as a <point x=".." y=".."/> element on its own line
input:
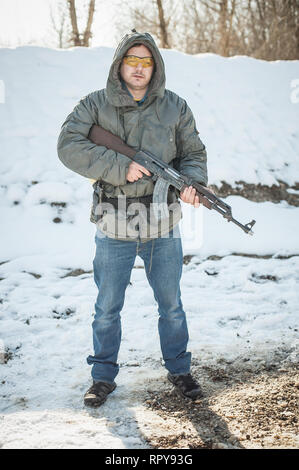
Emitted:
<point x="133" y="61"/>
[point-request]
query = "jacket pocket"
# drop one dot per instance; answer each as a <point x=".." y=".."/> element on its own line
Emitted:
<point x="97" y="199"/>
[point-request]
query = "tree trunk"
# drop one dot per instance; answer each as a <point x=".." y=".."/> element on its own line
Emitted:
<point x="163" y="26"/>
<point x="87" y="33"/>
<point x="73" y="15"/>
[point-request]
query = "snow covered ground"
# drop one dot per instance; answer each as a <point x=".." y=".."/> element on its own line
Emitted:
<point x="237" y="306"/>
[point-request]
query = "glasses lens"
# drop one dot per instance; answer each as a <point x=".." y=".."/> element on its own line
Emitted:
<point x="133" y="61"/>
<point x="147" y="62"/>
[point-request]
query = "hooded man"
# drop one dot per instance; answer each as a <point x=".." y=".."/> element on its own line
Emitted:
<point x="136" y="107"/>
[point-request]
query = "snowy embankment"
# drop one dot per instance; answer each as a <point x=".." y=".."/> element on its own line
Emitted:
<point x="238" y="306"/>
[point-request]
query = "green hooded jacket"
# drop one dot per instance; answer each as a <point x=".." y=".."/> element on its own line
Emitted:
<point x="163" y="124"/>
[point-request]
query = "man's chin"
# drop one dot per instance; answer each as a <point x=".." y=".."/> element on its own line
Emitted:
<point x="139" y="81"/>
<point x="137" y="86"/>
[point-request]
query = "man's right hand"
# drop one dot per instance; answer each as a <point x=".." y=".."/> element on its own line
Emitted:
<point x="136" y="172"/>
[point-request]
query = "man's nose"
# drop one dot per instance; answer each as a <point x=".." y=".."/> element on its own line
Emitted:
<point x="139" y="67"/>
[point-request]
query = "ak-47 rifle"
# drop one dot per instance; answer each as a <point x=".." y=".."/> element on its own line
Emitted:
<point x="165" y="176"/>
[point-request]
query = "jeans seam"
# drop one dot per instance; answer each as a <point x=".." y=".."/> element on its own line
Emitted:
<point x="151" y="258"/>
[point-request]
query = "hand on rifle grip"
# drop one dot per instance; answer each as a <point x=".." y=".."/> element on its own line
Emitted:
<point x="189" y="196"/>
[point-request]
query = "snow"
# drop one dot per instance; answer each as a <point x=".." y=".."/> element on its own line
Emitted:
<point x="236" y="305"/>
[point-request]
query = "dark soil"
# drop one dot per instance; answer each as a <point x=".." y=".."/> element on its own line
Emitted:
<point x="243" y="407"/>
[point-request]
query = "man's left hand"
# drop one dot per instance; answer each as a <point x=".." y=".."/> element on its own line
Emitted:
<point x="189" y="196"/>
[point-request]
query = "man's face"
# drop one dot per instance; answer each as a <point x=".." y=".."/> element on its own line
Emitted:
<point x="138" y="77"/>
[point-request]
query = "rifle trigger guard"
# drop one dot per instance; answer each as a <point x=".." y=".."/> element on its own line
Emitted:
<point x="160" y="194"/>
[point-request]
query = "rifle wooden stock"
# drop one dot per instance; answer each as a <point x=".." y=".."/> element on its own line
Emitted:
<point x="100" y="136"/>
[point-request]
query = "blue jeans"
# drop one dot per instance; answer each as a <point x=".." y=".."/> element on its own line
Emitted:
<point x="113" y="263"/>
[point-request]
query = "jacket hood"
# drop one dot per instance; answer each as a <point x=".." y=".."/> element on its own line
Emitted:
<point x="116" y="95"/>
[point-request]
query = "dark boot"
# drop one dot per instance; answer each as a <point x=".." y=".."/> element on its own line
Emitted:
<point x="97" y="393"/>
<point x="186" y="386"/>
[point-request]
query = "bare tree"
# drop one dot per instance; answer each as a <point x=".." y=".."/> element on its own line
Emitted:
<point x="60" y="24"/>
<point x="65" y="22"/>
<point x="158" y="17"/>
<point x="77" y="38"/>
<point x="163" y="24"/>
<point x="265" y="29"/>
<point x="223" y="15"/>
<point x="87" y="33"/>
<point x="275" y="29"/>
<point x="73" y="17"/>
<point x="226" y="15"/>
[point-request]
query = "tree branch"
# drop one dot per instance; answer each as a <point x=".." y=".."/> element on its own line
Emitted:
<point x="87" y="33"/>
<point x="73" y="16"/>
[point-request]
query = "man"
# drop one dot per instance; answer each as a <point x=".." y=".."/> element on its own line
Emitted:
<point x="136" y="107"/>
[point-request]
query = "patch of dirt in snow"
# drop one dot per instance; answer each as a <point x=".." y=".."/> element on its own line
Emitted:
<point x="243" y="407"/>
<point x="259" y="193"/>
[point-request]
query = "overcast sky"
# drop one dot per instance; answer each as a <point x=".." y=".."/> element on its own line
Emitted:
<point x="28" y="21"/>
